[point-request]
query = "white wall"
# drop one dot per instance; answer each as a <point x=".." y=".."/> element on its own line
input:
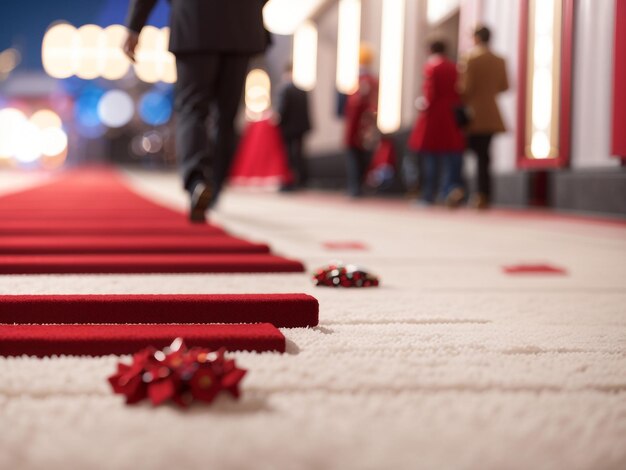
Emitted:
<point x="593" y="78"/>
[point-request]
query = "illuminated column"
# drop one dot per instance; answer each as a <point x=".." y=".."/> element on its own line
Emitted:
<point x="348" y="39"/>
<point x="543" y="78"/>
<point x="305" y="56"/>
<point x="391" y="58"/>
<point x="545" y="83"/>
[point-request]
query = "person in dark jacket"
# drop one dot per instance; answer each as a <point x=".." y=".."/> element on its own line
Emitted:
<point x="213" y="41"/>
<point x="295" y="122"/>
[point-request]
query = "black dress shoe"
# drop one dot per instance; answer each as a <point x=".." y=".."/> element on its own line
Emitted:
<point x="200" y="201"/>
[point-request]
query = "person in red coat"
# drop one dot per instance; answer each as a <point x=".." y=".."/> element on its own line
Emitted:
<point x="436" y="137"/>
<point x="360" y="130"/>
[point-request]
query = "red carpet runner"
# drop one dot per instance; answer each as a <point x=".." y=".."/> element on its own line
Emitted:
<point x="101" y="340"/>
<point x="88" y="221"/>
<point x="281" y="310"/>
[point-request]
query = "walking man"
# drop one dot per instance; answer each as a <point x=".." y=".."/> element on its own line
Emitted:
<point x="213" y="41"/>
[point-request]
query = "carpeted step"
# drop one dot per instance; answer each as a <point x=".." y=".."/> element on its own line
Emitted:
<point x="114" y="244"/>
<point x="147" y="263"/>
<point x="101" y="340"/>
<point x="106" y="227"/>
<point x="281" y="310"/>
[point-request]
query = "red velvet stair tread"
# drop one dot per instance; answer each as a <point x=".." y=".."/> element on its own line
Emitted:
<point x="281" y="310"/>
<point x="147" y="263"/>
<point x="103" y="227"/>
<point x="145" y="244"/>
<point x="100" y="340"/>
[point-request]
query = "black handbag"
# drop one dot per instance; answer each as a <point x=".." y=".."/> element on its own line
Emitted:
<point x="461" y="116"/>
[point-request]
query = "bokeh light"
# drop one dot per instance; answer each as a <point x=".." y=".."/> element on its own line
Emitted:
<point x="45" y="118"/>
<point x="155" y="108"/>
<point x="53" y="141"/>
<point x="148" y="66"/>
<point x="59" y="51"/>
<point x="115" y="108"/>
<point x="86" y="113"/>
<point x="258" y="92"/>
<point x="115" y="64"/>
<point x="28" y="149"/>
<point x="11" y="123"/>
<point x="91" y="52"/>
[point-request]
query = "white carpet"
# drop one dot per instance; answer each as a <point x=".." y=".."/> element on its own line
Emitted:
<point x="450" y="364"/>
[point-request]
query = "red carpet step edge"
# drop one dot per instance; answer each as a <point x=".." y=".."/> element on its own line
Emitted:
<point x="147" y="263"/>
<point x="281" y="310"/>
<point x="102" y="340"/>
<point x="130" y="228"/>
<point x="147" y="244"/>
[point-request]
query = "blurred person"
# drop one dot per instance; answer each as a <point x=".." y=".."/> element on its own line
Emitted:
<point x="294" y="121"/>
<point x="483" y="77"/>
<point x="360" y="115"/>
<point x="436" y="139"/>
<point x="213" y="42"/>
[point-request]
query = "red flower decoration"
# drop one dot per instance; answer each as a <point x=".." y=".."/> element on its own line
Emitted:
<point x="340" y="275"/>
<point x="178" y="374"/>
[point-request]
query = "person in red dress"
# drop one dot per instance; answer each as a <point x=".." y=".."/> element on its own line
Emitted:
<point x="436" y="138"/>
<point x="360" y="130"/>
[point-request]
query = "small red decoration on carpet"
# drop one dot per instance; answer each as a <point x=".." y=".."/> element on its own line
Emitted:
<point x="178" y="374"/>
<point x="344" y="275"/>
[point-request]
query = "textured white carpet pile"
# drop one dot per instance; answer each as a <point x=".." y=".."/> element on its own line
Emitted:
<point x="450" y="364"/>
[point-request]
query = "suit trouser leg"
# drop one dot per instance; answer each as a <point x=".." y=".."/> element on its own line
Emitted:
<point x="195" y="90"/>
<point x="230" y="84"/>
<point x="480" y="144"/>
<point x="205" y="79"/>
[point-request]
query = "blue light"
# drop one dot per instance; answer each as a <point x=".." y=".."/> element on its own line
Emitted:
<point x="86" y="113"/>
<point x="155" y="108"/>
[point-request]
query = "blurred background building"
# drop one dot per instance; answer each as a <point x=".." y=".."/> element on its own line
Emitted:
<point x="68" y="95"/>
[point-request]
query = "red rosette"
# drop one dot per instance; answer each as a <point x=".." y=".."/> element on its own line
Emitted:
<point x="341" y="275"/>
<point x="178" y="374"/>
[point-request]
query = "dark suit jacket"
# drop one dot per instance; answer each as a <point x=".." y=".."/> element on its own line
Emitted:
<point x="293" y="107"/>
<point x="233" y="26"/>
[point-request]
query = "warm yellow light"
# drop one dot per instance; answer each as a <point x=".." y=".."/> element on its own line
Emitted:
<point x="115" y="64"/>
<point x="45" y="118"/>
<point x="285" y="16"/>
<point x="258" y="92"/>
<point x="543" y="78"/>
<point x="540" y="145"/>
<point x="59" y="51"/>
<point x="53" y="141"/>
<point x="149" y="51"/>
<point x="348" y="39"/>
<point x="391" y="58"/>
<point x="91" y="52"/>
<point x="305" y="56"/>
<point x="9" y="59"/>
<point x="11" y="122"/>
<point x="168" y="74"/>
<point x="154" y="62"/>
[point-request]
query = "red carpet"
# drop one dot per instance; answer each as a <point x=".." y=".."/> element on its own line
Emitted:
<point x="102" y="227"/>
<point x="116" y="244"/>
<point x="101" y="340"/>
<point x="148" y="263"/>
<point x="534" y="269"/>
<point x="281" y="310"/>
<point x="88" y="221"/>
